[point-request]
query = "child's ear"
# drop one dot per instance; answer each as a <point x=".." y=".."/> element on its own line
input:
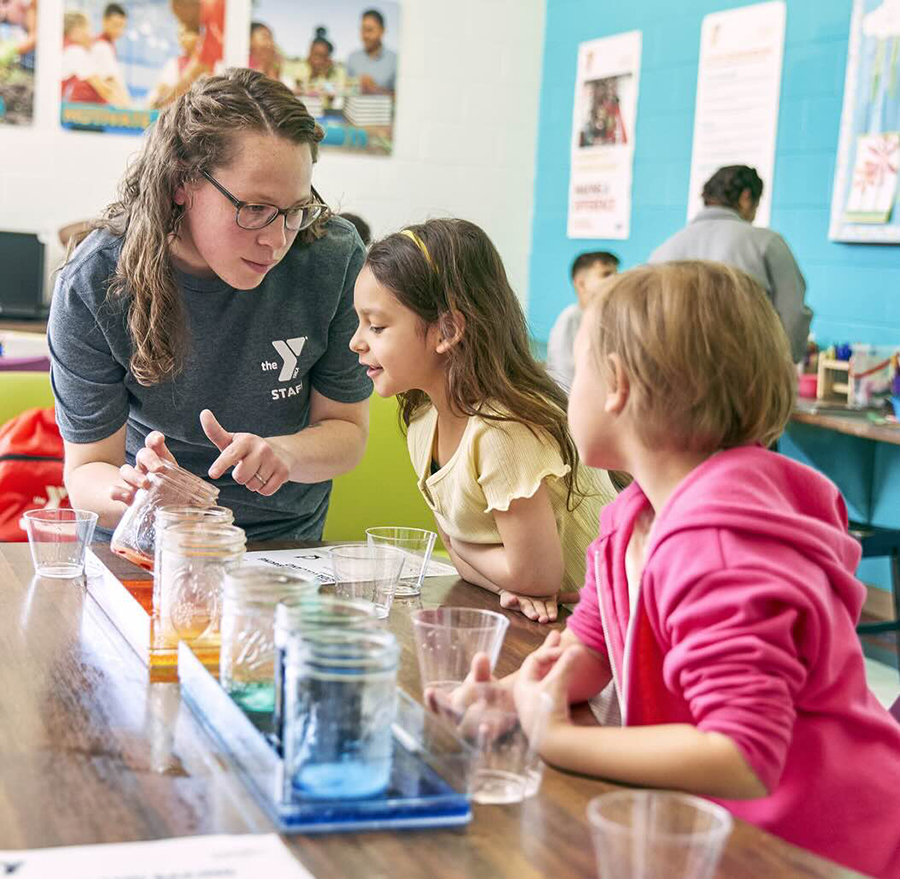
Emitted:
<point x="618" y="388"/>
<point x="451" y="326"/>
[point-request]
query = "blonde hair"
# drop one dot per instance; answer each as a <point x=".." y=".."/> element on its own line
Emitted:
<point x="196" y="133"/>
<point x="73" y="19"/>
<point x="707" y="359"/>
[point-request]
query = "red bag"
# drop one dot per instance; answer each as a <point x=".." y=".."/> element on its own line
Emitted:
<point x="31" y="469"/>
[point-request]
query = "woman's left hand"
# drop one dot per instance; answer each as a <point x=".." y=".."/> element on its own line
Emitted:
<point x="258" y="465"/>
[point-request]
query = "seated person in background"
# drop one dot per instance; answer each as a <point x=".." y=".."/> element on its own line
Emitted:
<point x="318" y="75"/>
<point x="264" y="54"/>
<point x="375" y="66"/>
<point x="361" y="226"/>
<point x="440" y="327"/>
<point x="720" y="596"/>
<point x="81" y="81"/>
<point x="723" y="231"/>
<point x="188" y="36"/>
<point x="103" y="53"/>
<point x="588" y="272"/>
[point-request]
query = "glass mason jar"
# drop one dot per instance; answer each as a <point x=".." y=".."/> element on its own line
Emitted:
<point x="246" y="667"/>
<point x="341" y="688"/>
<point x="177" y="514"/>
<point x="294" y="616"/>
<point x="135" y="535"/>
<point x="194" y="560"/>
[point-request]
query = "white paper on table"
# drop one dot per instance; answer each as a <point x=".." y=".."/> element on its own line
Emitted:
<point x="191" y="857"/>
<point x="316" y="563"/>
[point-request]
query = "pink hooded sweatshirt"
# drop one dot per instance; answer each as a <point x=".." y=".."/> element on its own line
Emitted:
<point x="745" y="625"/>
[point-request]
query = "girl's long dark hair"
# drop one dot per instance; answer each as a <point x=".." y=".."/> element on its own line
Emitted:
<point x="458" y="270"/>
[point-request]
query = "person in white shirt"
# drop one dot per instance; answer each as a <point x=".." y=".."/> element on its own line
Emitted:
<point x="588" y="272"/>
<point x="188" y="37"/>
<point x="103" y="53"/>
<point x="80" y="82"/>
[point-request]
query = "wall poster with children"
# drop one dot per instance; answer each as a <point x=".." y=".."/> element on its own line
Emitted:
<point x="340" y="58"/>
<point x="864" y="199"/>
<point x="605" y="109"/>
<point x="122" y="62"/>
<point x="18" y="39"/>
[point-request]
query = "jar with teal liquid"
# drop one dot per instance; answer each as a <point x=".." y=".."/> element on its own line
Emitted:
<point x="246" y="664"/>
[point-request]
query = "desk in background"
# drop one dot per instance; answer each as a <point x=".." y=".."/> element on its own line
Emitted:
<point x="863" y="459"/>
<point x="91" y="752"/>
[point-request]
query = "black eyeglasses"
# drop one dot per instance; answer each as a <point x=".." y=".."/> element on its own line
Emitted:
<point x="258" y="216"/>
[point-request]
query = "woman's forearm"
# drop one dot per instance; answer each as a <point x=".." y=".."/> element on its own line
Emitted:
<point x="672" y="756"/>
<point x="322" y="450"/>
<point x="89" y="486"/>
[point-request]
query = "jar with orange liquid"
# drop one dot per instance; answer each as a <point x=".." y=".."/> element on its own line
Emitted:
<point x="135" y="536"/>
<point x="189" y="580"/>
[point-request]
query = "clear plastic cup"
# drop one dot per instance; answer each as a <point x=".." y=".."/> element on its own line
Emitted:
<point x="447" y="638"/>
<point x="367" y="572"/>
<point x="416" y="544"/>
<point x="58" y="540"/>
<point x="504" y="743"/>
<point x="644" y="834"/>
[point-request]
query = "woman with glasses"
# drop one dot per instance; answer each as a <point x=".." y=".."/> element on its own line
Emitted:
<point x="207" y="317"/>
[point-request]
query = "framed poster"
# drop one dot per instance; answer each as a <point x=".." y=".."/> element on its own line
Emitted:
<point x="864" y="198"/>
<point x="340" y="58"/>
<point x="18" y="40"/>
<point x="738" y="94"/>
<point x="123" y="61"/>
<point x="603" y="119"/>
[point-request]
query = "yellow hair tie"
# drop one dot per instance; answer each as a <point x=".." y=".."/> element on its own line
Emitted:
<point x="419" y="243"/>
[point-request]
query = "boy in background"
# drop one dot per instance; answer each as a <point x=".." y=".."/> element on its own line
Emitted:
<point x="588" y="272"/>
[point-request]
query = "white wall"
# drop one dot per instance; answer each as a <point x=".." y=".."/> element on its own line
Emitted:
<point x="465" y="133"/>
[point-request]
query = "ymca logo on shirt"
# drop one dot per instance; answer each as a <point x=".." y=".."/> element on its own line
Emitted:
<point x="288" y="350"/>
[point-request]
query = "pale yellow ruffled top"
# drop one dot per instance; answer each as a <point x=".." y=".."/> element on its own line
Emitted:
<point x="495" y="463"/>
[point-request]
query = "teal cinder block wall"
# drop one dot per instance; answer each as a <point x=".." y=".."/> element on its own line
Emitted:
<point x="853" y="288"/>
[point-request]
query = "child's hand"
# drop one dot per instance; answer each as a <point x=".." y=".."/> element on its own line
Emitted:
<point x="147" y="460"/>
<point x="455" y="702"/>
<point x="546" y="671"/>
<point x="541" y="609"/>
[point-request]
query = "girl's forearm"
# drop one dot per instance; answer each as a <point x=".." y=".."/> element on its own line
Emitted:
<point x="672" y="756"/>
<point x="469" y="573"/>
<point x="492" y="562"/>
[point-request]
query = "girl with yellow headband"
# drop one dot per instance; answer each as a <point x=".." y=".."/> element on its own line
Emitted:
<point x="440" y="327"/>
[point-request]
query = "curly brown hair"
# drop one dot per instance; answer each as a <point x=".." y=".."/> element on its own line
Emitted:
<point x="196" y="133"/>
<point x="490" y="370"/>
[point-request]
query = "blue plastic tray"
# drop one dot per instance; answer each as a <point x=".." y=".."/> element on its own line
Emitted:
<point x="428" y="786"/>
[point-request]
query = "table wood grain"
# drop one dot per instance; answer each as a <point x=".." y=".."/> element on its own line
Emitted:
<point x="852" y="425"/>
<point x="92" y="752"/>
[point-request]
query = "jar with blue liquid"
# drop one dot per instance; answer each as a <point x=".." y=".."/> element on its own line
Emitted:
<point x="341" y="699"/>
<point x="295" y="615"/>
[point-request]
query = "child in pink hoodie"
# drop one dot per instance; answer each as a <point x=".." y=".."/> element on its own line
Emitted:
<point x="720" y="600"/>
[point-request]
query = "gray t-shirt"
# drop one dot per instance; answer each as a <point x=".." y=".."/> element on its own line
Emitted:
<point x="252" y="357"/>
<point x="382" y="67"/>
<point x="720" y="234"/>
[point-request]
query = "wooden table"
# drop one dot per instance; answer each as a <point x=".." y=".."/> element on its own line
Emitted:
<point x="851" y="425"/>
<point x="91" y="752"/>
